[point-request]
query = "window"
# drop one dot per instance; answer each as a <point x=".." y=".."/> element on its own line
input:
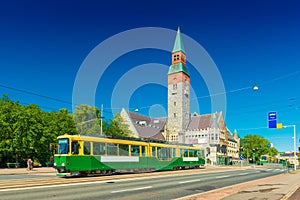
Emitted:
<point x="154" y="151"/>
<point x="87" y="148"/>
<point x="143" y="151"/>
<point x="112" y="149"/>
<point x="135" y="150"/>
<point x="176" y="57"/>
<point x="174" y="115"/>
<point x="174" y="103"/>
<point x="99" y="148"/>
<point x="174" y="80"/>
<point x="123" y="150"/>
<point x="174" y="86"/>
<point x="63" y="146"/>
<point x="75" y="147"/>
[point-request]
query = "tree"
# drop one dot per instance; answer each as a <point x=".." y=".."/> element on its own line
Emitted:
<point x="87" y="119"/>
<point x="28" y="131"/>
<point x="117" y="127"/>
<point x="254" y="146"/>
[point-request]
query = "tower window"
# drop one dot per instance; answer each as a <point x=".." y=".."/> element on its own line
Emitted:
<point x="176" y="57"/>
<point x="174" y="86"/>
<point x="174" y="115"/>
<point x="174" y="80"/>
<point x="174" y="103"/>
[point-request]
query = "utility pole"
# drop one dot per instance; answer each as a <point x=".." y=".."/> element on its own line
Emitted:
<point x="295" y="155"/>
<point x="101" y="131"/>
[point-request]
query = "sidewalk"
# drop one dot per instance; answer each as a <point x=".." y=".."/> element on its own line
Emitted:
<point x="10" y="171"/>
<point x="282" y="187"/>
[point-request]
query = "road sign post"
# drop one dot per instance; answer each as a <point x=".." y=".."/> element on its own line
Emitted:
<point x="241" y="159"/>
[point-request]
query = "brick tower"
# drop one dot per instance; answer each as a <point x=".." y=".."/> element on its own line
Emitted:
<point x="178" y="93"/>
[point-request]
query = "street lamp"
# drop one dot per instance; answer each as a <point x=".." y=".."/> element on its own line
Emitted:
<point x="295" y="156"/>
<point x="255" y="88"/>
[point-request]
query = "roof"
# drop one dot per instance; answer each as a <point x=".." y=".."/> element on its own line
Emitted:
<point x="204" y="121"/>
<point x="178" y="46"/>
<point x="147" y="127"/>
<point x="178" y="67"/>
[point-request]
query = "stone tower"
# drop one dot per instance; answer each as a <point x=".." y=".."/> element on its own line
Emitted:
<point x="178" y="93"/>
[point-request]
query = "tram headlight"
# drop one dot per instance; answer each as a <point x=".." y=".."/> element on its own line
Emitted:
<point x="54" y="164"/>
<point x="63" y="164"/>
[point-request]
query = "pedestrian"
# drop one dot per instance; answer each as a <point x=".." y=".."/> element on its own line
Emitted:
<point x="29" y="164"/>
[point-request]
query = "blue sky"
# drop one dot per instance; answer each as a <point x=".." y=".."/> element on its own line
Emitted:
<point x="43" y="44"/>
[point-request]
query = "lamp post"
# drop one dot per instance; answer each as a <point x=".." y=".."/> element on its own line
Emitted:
<point x="295" y="156"/>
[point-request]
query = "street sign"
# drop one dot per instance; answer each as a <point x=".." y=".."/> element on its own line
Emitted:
<point x="272" y="119"/>
<point x="241" y="157"/>
<point x="272" y="115"/>
<point x="273" y="124"/>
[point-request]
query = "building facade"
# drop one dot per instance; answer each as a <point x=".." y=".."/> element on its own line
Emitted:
<point x="207" y="131"/>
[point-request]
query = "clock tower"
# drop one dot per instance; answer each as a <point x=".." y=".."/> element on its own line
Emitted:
<point x="178" y="93"/>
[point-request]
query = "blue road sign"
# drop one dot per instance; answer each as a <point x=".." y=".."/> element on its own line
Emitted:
<point x="272" y="116"/>
<point x="272" y="119"/>
<point x="273" y="124"/>
<point x="269" y="145"/>
<point x="241" y="157"/>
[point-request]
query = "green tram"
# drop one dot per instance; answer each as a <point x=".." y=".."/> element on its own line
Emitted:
<point x="83" y="155"/>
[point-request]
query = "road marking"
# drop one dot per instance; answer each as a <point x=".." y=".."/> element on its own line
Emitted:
<point x="222" y="176"/>
<point x="133" y="189"/>
<point x="190" y="181"/>
<point x="242" y="174"/>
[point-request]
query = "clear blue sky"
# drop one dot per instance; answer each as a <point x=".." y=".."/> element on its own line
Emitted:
<point x="44" y="43"/>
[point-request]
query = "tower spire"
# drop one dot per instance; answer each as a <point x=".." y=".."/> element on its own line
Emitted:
<point x="178" y="45"/>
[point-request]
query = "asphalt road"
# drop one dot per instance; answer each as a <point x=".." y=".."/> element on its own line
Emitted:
<point x="156" y="187"/>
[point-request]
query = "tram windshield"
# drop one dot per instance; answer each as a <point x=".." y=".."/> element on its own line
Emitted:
<point x="63" y="146"/>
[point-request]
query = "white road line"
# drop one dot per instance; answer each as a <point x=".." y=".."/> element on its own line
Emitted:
<point x="133" y="189"/>
<point x="190" y="181"/>
<point x="242" y="174"/>
<point x="222" y="176"/>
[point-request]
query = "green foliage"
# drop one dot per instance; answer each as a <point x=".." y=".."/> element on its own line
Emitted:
<point x="254" y="146"/>
<point x="87" y="119"/>
<point x="117" y="127"/>
<point x="27" y="131"/>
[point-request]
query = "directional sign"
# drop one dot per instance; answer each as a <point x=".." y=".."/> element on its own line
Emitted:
<point x="241" y="157"/>
<point x="273" y="124"/>
<point x="272" y="115"/>
<point x="272" y="119"/>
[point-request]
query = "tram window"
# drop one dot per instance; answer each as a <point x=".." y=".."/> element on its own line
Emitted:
<point x="63" y="146"/>
<point x="192" y="153"/>
<point x="123" y="150"/>
<point x="174" y="153"/>
<point x="159" y="152"/>
<point x="143" y="151"/>
<point x="112" y="149"/>
<point x="165" y="153"/>
<point x="135" y="150"/>
<point x="87" y="148"/>
<point x="98" y="148"/>
<point x="154" y="151"/>
<point x="75" y="147"/>
<point x="184" y="152"/>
